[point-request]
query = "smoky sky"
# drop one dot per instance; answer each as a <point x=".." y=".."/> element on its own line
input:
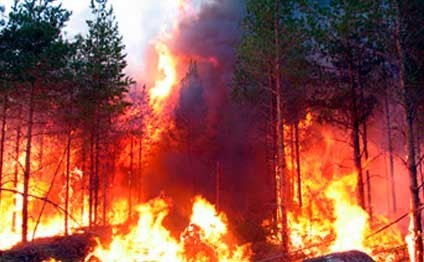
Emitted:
<point x="210" y="38"/>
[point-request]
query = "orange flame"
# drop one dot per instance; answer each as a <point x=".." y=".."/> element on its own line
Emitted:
<point x="351" y="220"/>
<point x="166" y="65"/>
<point x="149" y="240"/>
<point x="330" y="220"/>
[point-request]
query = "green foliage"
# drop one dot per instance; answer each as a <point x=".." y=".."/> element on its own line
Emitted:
<point x="104" y="61"/>
<point x="412" y="41"/>
<point x="257" y="53"/>
<point x="345" y="38"/>
<point x="32" y="45"/>
<point x="84" y="79"/>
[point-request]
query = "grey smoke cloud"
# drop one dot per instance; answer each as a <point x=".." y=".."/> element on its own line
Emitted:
<point x="210" y="38"/>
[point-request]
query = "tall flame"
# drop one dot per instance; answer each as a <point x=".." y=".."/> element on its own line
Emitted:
<point x="351" y="220"/>
<point x="204" y="239"/>
<point x="330" y="219"/>
<point x="163" y="86"/>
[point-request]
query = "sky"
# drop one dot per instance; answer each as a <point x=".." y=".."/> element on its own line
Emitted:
<point x="141" y="22"/>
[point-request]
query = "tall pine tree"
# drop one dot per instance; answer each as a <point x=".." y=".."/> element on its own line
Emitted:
<point x="106" y="84"/>
<point x="35" y="49"/>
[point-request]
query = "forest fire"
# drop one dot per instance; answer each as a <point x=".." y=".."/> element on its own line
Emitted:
<point x="351" y="221"/>
<point x="285" y="139"/>
<point x="330" y="220"/>
<point x="205" y="239"/>
<point x="167" y="79"/>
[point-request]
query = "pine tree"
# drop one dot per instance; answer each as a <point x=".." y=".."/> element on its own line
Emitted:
<point x="409" y="44"/>
<point x="190" y="121"/>
<point x="343" y="37"/>
<point x="269" y="62"/>
<point x="105" y="87"/>
<point x="35" y="50"/>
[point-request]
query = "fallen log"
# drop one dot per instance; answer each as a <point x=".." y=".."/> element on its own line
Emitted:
<point x="349" y="256"/>
<point x="61" y="248"/>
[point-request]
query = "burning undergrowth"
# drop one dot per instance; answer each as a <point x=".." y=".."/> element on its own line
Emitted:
<point x="206" y="238"/>
<point x="184" y="136"/>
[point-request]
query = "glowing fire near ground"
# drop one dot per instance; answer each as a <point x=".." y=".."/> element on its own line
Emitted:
<point x="351" y="220"/>
<point x="204" y="239"/>
<point x="330" y="219"/>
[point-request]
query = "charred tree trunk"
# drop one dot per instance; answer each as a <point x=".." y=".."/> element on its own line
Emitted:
<point x="290" y="179"/>
<point x="16" y="171"/>
<point x="96" y="176"/>
<point x="84" y="177"/>
<point x="367" y="171"/>
<point x="390" y="149"/>
<point x="217" y="186"/>
<point x="105" y="192"/>
<point x="298" y="168"/>
<point x="281" y="178"/>
<point x="68" y="164"/>
<point x="414" y="189"/>
<point x="2" y="139"/>
<point x="420" y="164"/>
<point x="355" y="133"/>
<point x="130" y="178"/>
<point x="91" y="180"/>
<point x="358" y="165"/>
<point x="27" y="171"/>
<point x="271" y="145"/>
<point x="140" y="171"/>
<point x="410" y="144"/>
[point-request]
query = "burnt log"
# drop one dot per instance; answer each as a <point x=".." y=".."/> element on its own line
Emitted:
<point x="62" y="248"/>
<point x="349" y="256"/>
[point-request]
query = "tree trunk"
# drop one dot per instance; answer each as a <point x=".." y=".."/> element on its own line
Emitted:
<point x="298" y="168"/>
<point x="217" y="186"/>
<point x="105" y="191"/>
<point x="68" y="160"/>
<point x="2" y="139"/>
<point x="358" y="165"/>
<point x="140" y="172"/>
<point x="271" y="145"/>
<point x="16" y="171"/>
<point x="91" y="181"/>
<point x="420" y="164"/>
<point x="96" y="176"/>
<point x="390" y="149"/>
<point x="356" y="141"/>
<point x="367" y="171"/>
<point x="281" y="165"/>
<point x="410" y="144"/>
<point x="290" y="179"/>
<point x="414" y="189"/>
<point x="130" y="178"/>
<point x="84" y="178"/>
<point x="27" y="171"/>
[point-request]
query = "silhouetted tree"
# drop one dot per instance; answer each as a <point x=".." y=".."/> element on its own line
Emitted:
<point x="102" y="97"/>
<point x="36" y="53"/>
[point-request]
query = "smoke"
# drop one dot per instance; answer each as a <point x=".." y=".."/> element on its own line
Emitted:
<point x="210" y="38"/>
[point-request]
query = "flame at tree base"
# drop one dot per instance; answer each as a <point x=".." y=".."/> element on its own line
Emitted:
<point x="336" y="223"/>
<point x="205" y="239"/>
